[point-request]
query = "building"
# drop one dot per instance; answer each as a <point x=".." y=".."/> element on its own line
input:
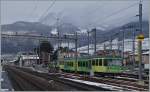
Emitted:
<point x="27" y="59"/>
<point x="145" y="58"/>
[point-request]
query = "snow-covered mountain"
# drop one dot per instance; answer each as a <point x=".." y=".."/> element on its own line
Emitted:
<point x="37" y="28"/>
<point x="128" y="45"/>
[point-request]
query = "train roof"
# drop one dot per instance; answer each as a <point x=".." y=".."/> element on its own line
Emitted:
<point x="92" y="57"/>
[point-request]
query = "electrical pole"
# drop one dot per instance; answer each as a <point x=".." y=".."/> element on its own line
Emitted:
<point x="76" y="51"/>
<point x="140" y="38"/>
<point x="88" y="41"/>
<point x="110" y="42"/>
<point x="39" y="52"/>
<point x="68" y="49"/>
<point x="58" y="32"/>
<point x="133" y="48"/>
<point x="104" y="46"/>
<point x="36" y="53"/>
<point x="94" y="30"/>
<point x="118" y="41"/>
<point x="68" y="44"/>
<point x="123" y="46"/>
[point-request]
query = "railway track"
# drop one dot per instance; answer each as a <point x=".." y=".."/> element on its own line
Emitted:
<point x="119" y="82"/>
<point x="128" y="77"/>
<point x="126" y="83"/>
<point x="25" y="79"/>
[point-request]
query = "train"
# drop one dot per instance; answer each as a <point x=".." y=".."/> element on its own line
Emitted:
<point x="103" y="65"/>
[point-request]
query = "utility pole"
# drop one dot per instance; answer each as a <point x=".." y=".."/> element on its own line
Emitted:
<point x="68" y="49"/>
<point x="123" y="46"/>
<point x="110" y="42"/>
<point x="118" y="41"/>
<point x="94" y="30"/>
<point x="104" y="46"/>
<point x="133" y="48"/>
<point x="88" y="40"/>
<point x="36" y="53"/>
<point x="76" y="51"/>
<point x="68" y="44"/>
<point x="39" y="52"/>
<point x="140" y="39"/>
<point x="58" y="32"/>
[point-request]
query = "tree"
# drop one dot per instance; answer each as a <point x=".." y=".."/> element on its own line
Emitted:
<point x="44" y="50"/>
<point x="45" y="46"/>
<point x="61" y="49"/>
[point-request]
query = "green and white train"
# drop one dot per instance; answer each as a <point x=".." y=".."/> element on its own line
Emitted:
<point x="107" y="65"/>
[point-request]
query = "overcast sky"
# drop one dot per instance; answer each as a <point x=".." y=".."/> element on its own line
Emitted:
<point x="79" y="13"/>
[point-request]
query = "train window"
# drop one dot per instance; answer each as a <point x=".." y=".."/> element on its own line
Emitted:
<point x="78" y="63"/>
<point x="70" y="63"/>
<point x="93" y="62"/>
<point x="100" y="62"/>
<point x="105" y="62"/>
<point x="87" y="64"/>
<point x="97" y="62"/>
<point x="83" y="64"/>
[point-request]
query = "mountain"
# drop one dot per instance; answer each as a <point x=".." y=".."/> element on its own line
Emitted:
<point x="114" y="33"/>
<point x="26" y="27"/>
<point x="13" y="45"/>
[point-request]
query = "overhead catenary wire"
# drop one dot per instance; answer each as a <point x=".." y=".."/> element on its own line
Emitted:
<point x="44" y="14"/>
<point x="117" y="12"/>
<point x="34" y="8"/>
